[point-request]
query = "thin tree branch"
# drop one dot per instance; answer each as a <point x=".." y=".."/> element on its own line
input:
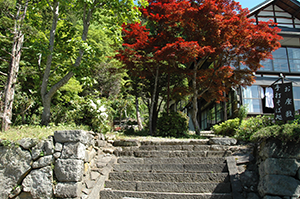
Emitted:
<point x="4" y="60"/>
<point x="50" y="5"/>
<point x="1" y="73"/>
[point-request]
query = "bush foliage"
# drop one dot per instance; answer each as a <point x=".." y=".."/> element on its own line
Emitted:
<point x="174" y="124"/>
<point x="258" y="128"/>
<point x="227" y="128"/>
<point x="249" y="126"/>
<point x="286" y="132"/>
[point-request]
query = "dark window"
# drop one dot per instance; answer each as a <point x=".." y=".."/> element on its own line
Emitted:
<point x="294" y="59"/>
<point x="285" y="59"/>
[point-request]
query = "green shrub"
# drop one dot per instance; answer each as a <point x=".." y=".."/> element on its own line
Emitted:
<point x="266" y="132"/>
<point x="290" y="132"/>
<point x="250" y="126"/>
<point x="242" y="113"/>
<point x="287" y="132"/>
<point x="173" y="125"/>
<point x="227" y="128"/>
<point x="132" y="132"/>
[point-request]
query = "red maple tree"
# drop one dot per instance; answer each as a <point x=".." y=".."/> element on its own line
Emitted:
<point x="214" y="39"/>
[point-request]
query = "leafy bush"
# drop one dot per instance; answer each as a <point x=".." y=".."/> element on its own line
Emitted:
<point x="97" y="115"/>
<point x="242" y="113"/>
<point x="227" y="128"/>
<point x="287" y="132"/>
<point x="132" y="132"/>
<point x="250" y="126"/>
<point x="173" y="125"/>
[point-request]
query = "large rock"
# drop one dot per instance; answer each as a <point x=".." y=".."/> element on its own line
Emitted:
<point x="276" y="166"/>
<point x="73" y="151"/>
<point x="38" y="150"/>
<point x="58" y="147"/>
<point x="43" y="161"/>
<point x="49" y="146"/>
<point x="15" y="163"/>
<point x="223" y="141"/>
<point x="71" y="136"/>
<point x="27" y="143"/>
<point x="68" y="190"/>
<point x="39" y="183"/>
<point x="278" y="149"/>
<point x="271" y="197"/>
<point x="279" y="185"/>
<point x="69" y="170"/>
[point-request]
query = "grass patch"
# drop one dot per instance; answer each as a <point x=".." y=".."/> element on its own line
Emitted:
<point x="39" y="132"/>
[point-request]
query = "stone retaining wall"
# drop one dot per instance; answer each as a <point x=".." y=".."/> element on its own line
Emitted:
<point x="65" y="165"/>
<point x="279" y="170"/>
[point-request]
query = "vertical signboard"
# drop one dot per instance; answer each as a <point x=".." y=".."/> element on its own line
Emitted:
<point x="283" y="102"/>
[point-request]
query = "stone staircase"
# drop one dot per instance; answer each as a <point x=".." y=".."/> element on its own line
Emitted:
<point x="170" y="169"/>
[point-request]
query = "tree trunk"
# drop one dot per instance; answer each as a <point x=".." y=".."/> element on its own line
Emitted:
<point x="138" y="115"/>
<point x="46" y="111"/>
<point x="9" y="94"/>
<point x="168" y="98"/>
<point x="151" y="114"/>
<point x="47" y="95"/>
<point x="46" y="98"/>
<point x="195" y="104"/>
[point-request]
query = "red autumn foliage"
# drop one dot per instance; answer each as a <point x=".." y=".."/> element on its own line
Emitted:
<point x="215" y="36"/>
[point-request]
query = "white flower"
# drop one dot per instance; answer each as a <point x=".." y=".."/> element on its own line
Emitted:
<point x="102" y="109"/>
<point x="104" y="115"/>
<point x="93" y="105"/>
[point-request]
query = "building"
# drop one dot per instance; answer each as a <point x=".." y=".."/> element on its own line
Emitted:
<point x="285" y="65"/>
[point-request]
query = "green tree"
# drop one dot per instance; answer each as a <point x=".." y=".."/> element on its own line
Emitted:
<point x="14" y="12"/>
<point x="87" y="10"/>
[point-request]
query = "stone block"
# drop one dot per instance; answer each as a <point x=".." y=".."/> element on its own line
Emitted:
<point x="252" y="196"/>
<point x="27" y="143"/>
<point x="48" y="146"/>
<point x="276" y="166"/>
<point x="222" y="141"/>
<point x="100" y="143"/>
<point x="43" y="161"/>
<point x="57" y="155"/>
<point x="89" y="155"/>
<point x="15" y="163"/>
<point x="39" y="183"/>
<point x="68" y="190"/>
<point x="24" y="195"/>
<point x="279" y="185"/>
<point x="278" y="149"/>
<point x="94" y="175"/>
<point x="69" y="170"/>
<point x="126" y="143"/>
<point x="71" y="136"/>
<point x="58" y="147"/>
<point x="73" y="151"/>
<point x="271" y="197"/>
<point x="38" y="150"/>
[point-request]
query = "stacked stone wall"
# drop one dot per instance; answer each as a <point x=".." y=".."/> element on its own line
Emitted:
<point x="65" y="165"/>
<point x="279" y="170"/>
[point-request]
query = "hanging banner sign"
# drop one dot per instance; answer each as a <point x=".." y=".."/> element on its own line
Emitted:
<point x="283" y="102"/>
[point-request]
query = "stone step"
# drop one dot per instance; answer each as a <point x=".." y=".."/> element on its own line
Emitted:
<point x="176" y="142"/>
<point x="178" y="160"/>
<point x="112" y="194"/>
<point x="171" y="168"/>
<point x="183" y="148"/>
<point x="170" y="154"/>
<point x="170" y="177"/>
<point x="177" y="187"/>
